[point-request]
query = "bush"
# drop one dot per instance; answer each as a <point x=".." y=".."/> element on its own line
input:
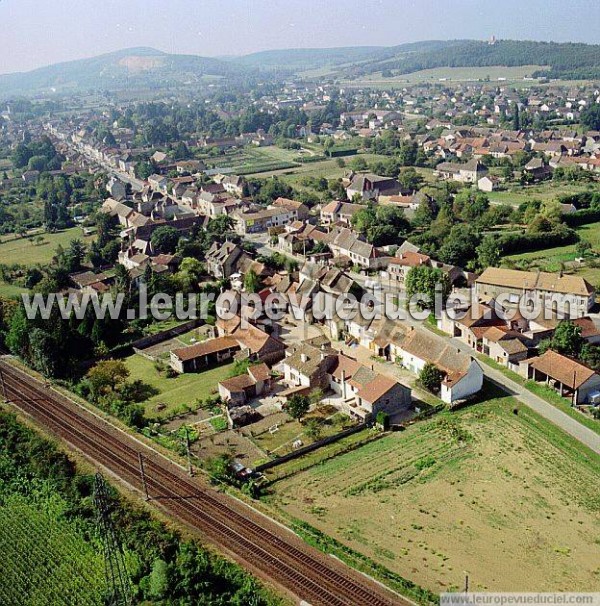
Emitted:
<point x="431" y="378"/>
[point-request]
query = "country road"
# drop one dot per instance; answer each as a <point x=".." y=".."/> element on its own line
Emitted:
<point x="568" y="424"/>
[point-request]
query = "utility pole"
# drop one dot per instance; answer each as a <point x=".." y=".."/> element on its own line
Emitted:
<point x="188" y="451"/>
<point x="143" y="476"/>
<point x="574" y="389"/>
<point x="466" y="582"/>
<point x="3" y="385"/>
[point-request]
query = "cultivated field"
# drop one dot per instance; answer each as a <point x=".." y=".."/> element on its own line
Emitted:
<point x="545" y="191"/>
<point x="44" y="561"/>
<point x="506" y="497"/>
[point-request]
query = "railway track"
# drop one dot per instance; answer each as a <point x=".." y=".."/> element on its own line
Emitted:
<point x="255" y="541"/>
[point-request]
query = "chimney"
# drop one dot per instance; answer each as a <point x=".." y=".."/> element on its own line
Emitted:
<point x="304" y="357"/>
<point x="343" y="384"/>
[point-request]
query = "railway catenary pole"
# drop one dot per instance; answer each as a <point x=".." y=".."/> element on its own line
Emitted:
<point x="188" y="450"/>
<point x="143" y="476"/>
<point x="3" y="385"/>
<point x="118" y="584"/>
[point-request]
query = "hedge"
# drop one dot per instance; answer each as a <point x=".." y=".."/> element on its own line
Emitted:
<point x="520" y="243"/>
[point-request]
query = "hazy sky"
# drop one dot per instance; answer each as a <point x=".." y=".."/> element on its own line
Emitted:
<point x="40" y="32"/>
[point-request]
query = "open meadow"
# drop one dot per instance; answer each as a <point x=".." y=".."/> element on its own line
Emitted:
<point x="544" y="191"/>
<point x="27" y="251"/>
<point x="506" y="497"/>
<point x="494" y="73"/>
<point x="562" y="258"/>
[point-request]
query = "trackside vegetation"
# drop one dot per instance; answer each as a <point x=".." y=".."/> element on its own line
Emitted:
<point x="51" y="551"/>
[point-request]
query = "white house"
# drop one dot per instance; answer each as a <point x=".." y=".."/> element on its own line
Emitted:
<point x="463" y="377"/>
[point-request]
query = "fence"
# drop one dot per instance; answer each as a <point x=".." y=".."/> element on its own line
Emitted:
<point x="311" y="447"/>
<point x="165" y="335"/>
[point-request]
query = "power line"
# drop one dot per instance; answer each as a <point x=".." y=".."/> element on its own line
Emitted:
<point x="117" y="579"/>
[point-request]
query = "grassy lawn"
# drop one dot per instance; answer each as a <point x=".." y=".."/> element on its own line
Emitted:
<point x="192" y="337"/>
<point x="24" y="252"/>
<point x="8" y="290"/>
<point x="481" y="490"/>
<point x="176" y="392"/>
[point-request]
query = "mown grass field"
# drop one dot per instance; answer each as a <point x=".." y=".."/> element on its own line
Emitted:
<point x="25" y="251"/>
<point x="506" y="497"/>
<point x="44" y="560"/>
<point x="178" y="391"/>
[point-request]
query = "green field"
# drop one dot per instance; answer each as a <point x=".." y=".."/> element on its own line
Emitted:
<point x="176" y="392"/>
<point x="45" y="561"/>
<point x="453" y="74"/>
<point x="546" y="191"/>
<point x="482" y="490"/>
<point x="258" y="160"/>
<point x="24" y="251"/>
<point x="8" y="290"/>
<point x="563" y="257"/>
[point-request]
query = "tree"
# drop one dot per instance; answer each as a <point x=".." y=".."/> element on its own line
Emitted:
<point x="220" y="226"/>
<point x="165" y="239"/>
<point x="590" y="117"/>
<point x="590" y="356"/>
<point x="17" y="338"/>
<point x="383" y="419"/>
<point x="425" y="213"/>
<point x="75" y="255"/>
<point x="314" y="428"/>
<point x="459" y="247"/>
<point x="381" y="225"/>
<point x="488" y="252"/>
<point x="316" y="396"/>
<point x="189" y="274"/>
<point x="567" y="339"/>
<point x="158" y="580"/>
<point x="143" y="170"/>
<point x="106" y="376"/>
<point x="516" y="119"/>
<point x="423" y="280"/>
<point x="297" y="406"/>
<point x="583" y="248"/>
<point x="431" y="377"/>
<point x="251" y="282"/>
<point x="43" y="347"/>
<point x="409" y="179"/>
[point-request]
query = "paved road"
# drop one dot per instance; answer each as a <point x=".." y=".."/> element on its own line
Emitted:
<point x="568" y="424"/>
